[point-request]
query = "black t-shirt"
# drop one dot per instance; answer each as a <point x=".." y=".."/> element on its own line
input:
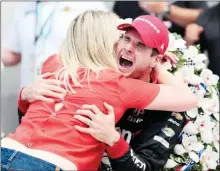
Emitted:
<point x="210" y="37"/>
<point x="128" y="9"/>
<point x="135" y="120"/>
<point x="186" y="4"/>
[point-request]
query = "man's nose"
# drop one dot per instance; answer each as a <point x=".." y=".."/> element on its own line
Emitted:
<point x="129" y="47"/>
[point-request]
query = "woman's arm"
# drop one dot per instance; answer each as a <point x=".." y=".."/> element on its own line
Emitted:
<point x="174" y="94"/>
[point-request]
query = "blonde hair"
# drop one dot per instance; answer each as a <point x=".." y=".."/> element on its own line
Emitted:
<point x="89" y="44"/>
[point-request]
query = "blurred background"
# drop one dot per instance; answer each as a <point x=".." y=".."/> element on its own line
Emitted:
<point x="11" y="80"/>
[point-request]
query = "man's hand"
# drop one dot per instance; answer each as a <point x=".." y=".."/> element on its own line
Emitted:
<point x="101" y="126"/>
<point x="42" y="88"/>
<point x="192" y="33"/>
<point x="153" y="7"/>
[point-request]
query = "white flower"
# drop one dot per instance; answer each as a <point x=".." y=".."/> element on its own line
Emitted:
<point x="209" y="159"/>
<point x="194" y="156"/>
<point x="216" y="139"/>
<point x="197" y="147"/>
<point x="190" y="128"/>
<point x="199" y="61"/>
<point x="200" y="58"/>
<point x="195" y="79"/>
<point x="193" y="112"/>
<point x="191" y="52"/>
<point x="208" y="77"/>
<point x="210" y="106"/>
<point x="202" y="129"/>
<point x="200" y="66"/>
<point x="204" y="126"/>
<point x="179" y="149"/>
<point x="175" y="44"/>
<point x="187" y="142"/>
<point x="206" y="136"/>
<point x="185" y="73"/>
<point x="203" y="122"/>
<point x="170" y="164"/>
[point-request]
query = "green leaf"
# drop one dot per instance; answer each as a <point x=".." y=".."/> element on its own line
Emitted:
<point x="198" y="47"/>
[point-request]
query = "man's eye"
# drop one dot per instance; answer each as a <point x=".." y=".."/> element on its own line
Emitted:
<point x="140" y="46"/>
<point x="126" y="39"/>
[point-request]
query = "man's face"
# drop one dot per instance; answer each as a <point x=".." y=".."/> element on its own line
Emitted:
<point x="133" y="56"/>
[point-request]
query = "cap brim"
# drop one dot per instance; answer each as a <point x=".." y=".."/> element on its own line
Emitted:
<point x="148" y="41"/>
<point x="125" y="26"/>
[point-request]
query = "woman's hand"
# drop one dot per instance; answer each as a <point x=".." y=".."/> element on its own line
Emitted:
<point x="42" y="88"/>
<point x="101" y="126"/>
<point x="168" y="57"/>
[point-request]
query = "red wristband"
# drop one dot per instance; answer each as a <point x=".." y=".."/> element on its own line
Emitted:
<point x="118" y="149"/>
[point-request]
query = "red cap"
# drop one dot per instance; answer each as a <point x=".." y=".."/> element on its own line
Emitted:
<point x="152" y="30"/>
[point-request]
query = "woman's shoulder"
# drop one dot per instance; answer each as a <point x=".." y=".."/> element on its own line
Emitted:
<point x="110" y="75"/>
<point x="51" y="64"/>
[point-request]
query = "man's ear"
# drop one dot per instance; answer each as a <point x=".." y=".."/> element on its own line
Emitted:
<point x="154" y="61"/>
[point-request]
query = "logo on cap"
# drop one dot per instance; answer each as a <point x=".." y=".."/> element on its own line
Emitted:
<point x="149" y="23"/>
<point x="162" y="46"/>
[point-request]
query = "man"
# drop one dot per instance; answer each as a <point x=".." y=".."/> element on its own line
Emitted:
<point x="206" y="30"/>
<point x="155" y="137"/>
<point x="37" y="31"/>
<point x="178" y="13"/>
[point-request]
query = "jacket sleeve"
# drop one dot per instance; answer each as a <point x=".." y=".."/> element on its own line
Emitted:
<point x="151" y="148"/>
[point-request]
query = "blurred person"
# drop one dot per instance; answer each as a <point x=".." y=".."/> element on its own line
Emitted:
<point x="206" y="29"/>
<point x="132" y="45"/>
<point x="37" y="30"/>
<point x="179" y="13"/>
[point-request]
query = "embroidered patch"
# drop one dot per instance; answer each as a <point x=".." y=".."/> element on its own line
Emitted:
<point x="178" y="116"/>
<point x="174" y="122"/>
<point x="168" y="132"/>
<point x="162" y="141"/>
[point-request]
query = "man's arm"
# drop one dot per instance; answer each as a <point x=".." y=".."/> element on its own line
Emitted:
<point x="11" y="43"/>
<point x="150" y="149"/>
<point x="183" y="16"/>
<point x="180" y="16"/>
<point x="10" y="58"/>
<point x="175" y="87"/>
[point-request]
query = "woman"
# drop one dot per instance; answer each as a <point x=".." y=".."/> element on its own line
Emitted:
<point x="47" y="138"/>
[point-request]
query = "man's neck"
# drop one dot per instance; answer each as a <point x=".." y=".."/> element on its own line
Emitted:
<point x="145" y="77"/>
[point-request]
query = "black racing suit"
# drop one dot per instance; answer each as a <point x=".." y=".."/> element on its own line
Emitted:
<point x="152" y="136"/>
